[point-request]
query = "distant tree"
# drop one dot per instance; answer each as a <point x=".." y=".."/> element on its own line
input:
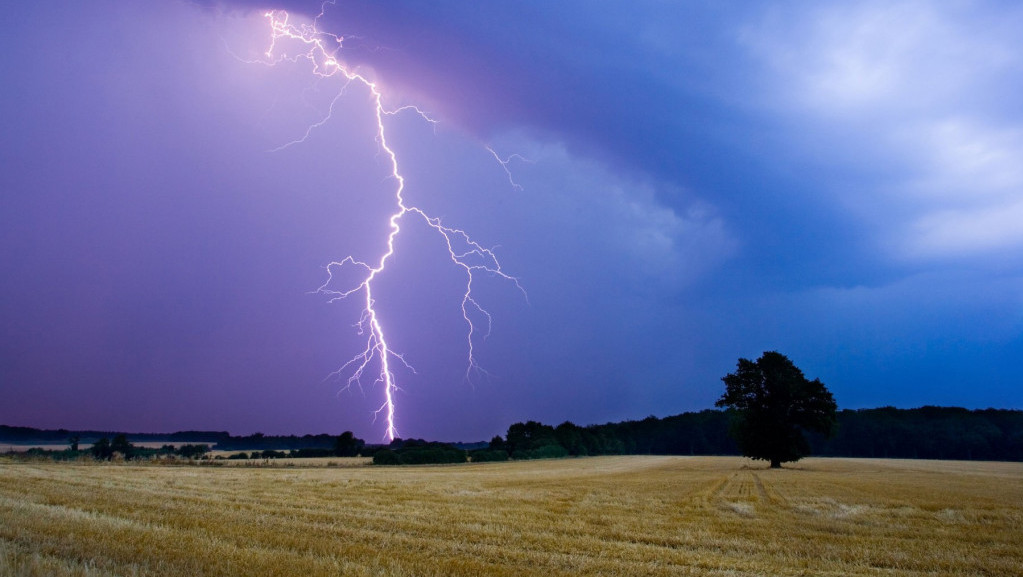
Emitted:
<point x="523" y="437"/>
<point x="73" y="441"/>
<point x="773" y="404"/>
<point x="348" y="445"/>
<point x="121" y="445"/>
<point x="101" y="449"/>
<point x="498" y="444"/>
<point x="192" y="451"/>
<point x="570" y="436"/>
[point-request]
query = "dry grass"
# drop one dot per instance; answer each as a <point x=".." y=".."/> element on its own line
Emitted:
<point x="220" y="459"/>
<point x="599" y="516"/>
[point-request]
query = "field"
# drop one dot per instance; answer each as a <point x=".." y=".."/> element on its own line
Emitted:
<point x="597" y="516"/>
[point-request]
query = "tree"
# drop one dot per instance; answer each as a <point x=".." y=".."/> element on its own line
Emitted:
<point x="101" y="449"/>
<point x="348" y="445"/>
<point x="570" y="436"/>
<point x="528" y="436"/>
<point x="498" y="444"/>
<point x="772" y="405"/>
<point x="121" y="445"/>
<point x="193" y="451"/>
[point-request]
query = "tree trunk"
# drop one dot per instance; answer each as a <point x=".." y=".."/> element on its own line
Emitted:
<point x="775" y="464"/>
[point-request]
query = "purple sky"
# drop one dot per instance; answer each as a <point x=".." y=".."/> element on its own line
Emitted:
<point x="841" y="183"/>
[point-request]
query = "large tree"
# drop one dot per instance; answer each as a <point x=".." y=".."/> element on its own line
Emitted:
<point x="772" y="405"/>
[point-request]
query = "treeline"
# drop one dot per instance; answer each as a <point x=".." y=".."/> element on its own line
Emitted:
<point x="344" y="445"/>
<point x="923" y="433"/>
<point x="926" y="433"/>
<point x="218" y="440"/>
<point x="702" y="433"/>
<point x="418" y="452"/>
<point x="29" y="435"/>
<point x="259" y="441"/>
<point x="120" y="448"/>
<point x="887" y="432"/>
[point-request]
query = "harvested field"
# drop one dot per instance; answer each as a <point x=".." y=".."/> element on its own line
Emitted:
<point x="597" y="516"/>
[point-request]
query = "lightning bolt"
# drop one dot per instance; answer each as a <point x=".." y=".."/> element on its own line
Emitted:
<point x="321" y="49"/>
<point x="504" y="164"/>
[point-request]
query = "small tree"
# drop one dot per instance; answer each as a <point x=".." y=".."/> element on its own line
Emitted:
<point x="772" y="405"/>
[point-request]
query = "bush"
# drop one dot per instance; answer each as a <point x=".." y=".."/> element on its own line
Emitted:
<point x="386" y="457"/>
<point x="193" y="451"/>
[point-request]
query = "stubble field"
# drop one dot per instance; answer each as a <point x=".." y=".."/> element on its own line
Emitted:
<point x="597" y="516"/>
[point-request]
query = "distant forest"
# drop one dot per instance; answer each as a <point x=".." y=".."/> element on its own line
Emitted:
<point x="923" y="433"/>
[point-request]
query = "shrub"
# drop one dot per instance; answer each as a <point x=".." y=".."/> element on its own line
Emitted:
<point x="386" y="457"/>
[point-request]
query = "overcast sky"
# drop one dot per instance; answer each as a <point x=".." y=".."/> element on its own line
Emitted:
<point x="687" y="183"/>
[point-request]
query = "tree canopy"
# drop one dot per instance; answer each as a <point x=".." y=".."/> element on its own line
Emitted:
<point x="772" y="405"/>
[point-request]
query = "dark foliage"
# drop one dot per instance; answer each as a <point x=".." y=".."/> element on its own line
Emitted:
<point x="121" y="446"/>
<point x="488" y="455"/>
<point x="101" y="449"/>
<point x="386" y="457"/>
<point x="703" y="433"/>
<point x="104" y="449"/>
<point x="923" y="433"/>
<point x="348" y="445"/>
<point x="29" y="435"/>
<point x="192" y="451"/>
<point x="311" y="453"/>
<point x="259" y="442"/>
<point x="418" y="452"/>
<point x="772" y="405"/>
<point x="926" y="433"/>
<point x="529" y="436"/>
